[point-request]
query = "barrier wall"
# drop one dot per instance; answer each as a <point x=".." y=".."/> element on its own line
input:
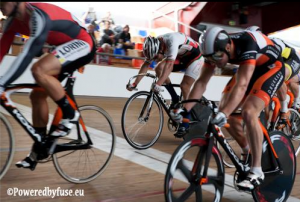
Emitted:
<point x="111" y="81"/>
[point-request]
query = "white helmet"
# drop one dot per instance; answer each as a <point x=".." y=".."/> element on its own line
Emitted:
<point x="213" y="40"/>
<point x="254" y="29"/>
<point x="151" y="47"/>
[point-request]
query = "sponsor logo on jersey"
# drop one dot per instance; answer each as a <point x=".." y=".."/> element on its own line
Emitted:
<point x="275" y="84"/>
<point x="34" y="24"/>
<point x="295" y="65"/>
<point x="71" y="47"/>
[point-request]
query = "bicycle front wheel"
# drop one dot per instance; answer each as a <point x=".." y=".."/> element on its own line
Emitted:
<point x="85" y="165"/>
<point x="142" y="120"/>
<point x="277" y="186"/>
<point x="293" y="123"/>
<point x="7" y="145"/>
<point x="185" y="180"/>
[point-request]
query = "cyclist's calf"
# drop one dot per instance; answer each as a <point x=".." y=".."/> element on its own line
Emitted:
<point x="40" y="110"/>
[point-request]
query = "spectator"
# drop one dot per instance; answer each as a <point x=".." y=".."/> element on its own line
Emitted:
<point x="91" y="31"/>
<point x="90" y="17"/>
<point x="109" y="35"/>
<point x="108" y="18"/>
<point x="103" y="59"/>
<point x="125" y="38"/>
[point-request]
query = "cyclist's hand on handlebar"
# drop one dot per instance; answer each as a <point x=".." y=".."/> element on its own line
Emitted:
<point x="157" y="88"/>
<point x="178" y="114"/>
<point x="220" y="119"/>
<point x="131" y="86"/>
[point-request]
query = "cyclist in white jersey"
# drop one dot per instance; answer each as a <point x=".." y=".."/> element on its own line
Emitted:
<point x="173" y="52"/>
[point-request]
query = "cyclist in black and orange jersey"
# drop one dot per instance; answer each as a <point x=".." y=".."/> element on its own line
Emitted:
<point x="45" y="23"/>
<point x="174" y="52"/>
<point x="291" y="61"/>
<point x="261" y="72"/>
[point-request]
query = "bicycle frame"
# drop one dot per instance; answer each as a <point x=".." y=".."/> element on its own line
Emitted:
<point x="158" y="95"/>
<point x="9" y="106"/>
<point x="214" y="132"/>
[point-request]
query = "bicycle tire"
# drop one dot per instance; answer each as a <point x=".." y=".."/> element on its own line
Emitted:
<point x="10" y="142"/>
<point x="102" y="133"/>
<point x="181" y="160"/>
<point x="141" y="134"/>
<point x="277" y="187"/>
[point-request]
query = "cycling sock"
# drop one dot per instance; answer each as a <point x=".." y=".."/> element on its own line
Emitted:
<point x="67" y="109"/>
<point x="284" y="105"/>
<point x="171" y="90"/>
<point x="186" y="119"/>
<point x="41" y="130"/>
<point x="257" y="171"/>
<point x="297" y="100"/>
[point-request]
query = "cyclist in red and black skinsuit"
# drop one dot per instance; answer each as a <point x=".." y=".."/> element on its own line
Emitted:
<point x="261" y="73"/>
<point x="45" y="23"/>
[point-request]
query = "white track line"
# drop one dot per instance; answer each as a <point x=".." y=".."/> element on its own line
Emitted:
<point x="151" y="158"/>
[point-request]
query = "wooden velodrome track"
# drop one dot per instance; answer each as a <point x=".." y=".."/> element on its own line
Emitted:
<point x="124" y="179"/>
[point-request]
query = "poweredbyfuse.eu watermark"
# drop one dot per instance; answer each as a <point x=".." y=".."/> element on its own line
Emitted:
<point x="44" y="192"/>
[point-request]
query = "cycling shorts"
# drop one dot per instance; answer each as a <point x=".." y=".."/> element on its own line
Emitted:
<point x="264" y="82"/>
<point x="73" y="55"/>
<point x="190" y="63"/>
<point x="293" y="64"/>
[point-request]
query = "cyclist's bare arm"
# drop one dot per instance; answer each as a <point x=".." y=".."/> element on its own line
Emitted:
<point x="166" y="71"/>
<point x="200" y="84"/>
<point x="159" y="69"/>
<point x="239" y="89"/>
<point x="143" y="69"/>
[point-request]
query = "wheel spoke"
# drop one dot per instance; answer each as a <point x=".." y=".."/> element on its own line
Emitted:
<point x="187" y="193"/>
<point x="198" y="192"/>
<point x="185" y="171"/>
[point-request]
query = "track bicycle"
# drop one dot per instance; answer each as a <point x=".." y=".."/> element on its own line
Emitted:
<point x="142" y="117"/>
<point x="290" y="128"/>
<point x="79" y="157"/>
<point x="196" y="165"/>
<point x="292" y="125"/>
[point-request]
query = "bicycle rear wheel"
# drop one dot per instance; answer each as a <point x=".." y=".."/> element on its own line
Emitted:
<point x="182" y="183"/>
<point x="277" y="186"/>
<point x="7" y="145"/>
<point x="142" y="120"/>
<point x="84" y="165"/>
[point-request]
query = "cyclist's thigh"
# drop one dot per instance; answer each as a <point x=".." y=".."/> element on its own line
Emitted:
<point x="293" y="64"/>
<point x="193" y="69"/>
<point x="73" y="55"/>
<point x="265" y="82"/>
<point x="48" y="64"/>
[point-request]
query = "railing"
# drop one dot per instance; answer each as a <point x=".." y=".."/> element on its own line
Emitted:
<point x="175" y="18"/>
<point x="97" y="53"/>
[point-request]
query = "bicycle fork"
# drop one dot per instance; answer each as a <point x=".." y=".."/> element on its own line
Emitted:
<point x="147" y="106"/>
